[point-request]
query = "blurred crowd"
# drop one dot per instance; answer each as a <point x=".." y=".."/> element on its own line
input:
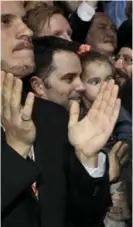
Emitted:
<point x="66" y="113"/>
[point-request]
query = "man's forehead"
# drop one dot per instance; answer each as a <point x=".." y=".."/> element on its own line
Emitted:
<point x="67" y="61"/>
<point x="102" y="18"/>
<point x="15" y="8"/>
<point x="66" y="55"/>
<point x="126" y="51"/>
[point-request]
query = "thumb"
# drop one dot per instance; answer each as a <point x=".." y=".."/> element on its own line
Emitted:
<point x="73" y="113"/>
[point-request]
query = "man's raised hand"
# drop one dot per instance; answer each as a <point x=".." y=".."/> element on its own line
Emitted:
<point x="89" y="135"/>
<point x="17" y="121"/>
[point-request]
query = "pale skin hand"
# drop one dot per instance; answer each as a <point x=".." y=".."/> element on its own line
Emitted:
<point x="19" y="134"/>
<point x="89" y="135"/>
<point x="118" y="156"/>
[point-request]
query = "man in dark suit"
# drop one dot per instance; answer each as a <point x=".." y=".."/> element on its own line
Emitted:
<point x="44" y="181"/>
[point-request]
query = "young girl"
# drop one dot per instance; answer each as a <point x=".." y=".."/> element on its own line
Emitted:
<point x="97" y="68"/>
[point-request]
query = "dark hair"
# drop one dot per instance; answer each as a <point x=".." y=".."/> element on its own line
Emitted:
<point x="93" y="56"/>
<point x="124" y="35"/>
<point x="44" y="48"/>
<point x="125" y="94"/>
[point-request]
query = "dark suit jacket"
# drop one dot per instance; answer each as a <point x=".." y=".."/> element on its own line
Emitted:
<point x="68" y="195"/>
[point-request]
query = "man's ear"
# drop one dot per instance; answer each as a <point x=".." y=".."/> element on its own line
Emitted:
<point x="37" y="86"/>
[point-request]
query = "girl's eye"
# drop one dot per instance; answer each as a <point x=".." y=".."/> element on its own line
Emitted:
<point x="93" y="82"/>
<point x="109" y="78"/>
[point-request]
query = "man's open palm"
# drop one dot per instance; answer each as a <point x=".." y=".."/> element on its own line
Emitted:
<point x="91" y="134"/>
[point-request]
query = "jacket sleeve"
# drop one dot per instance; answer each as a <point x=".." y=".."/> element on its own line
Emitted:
<point x="17" y="174"/>
<point x="123" y="127"/>
<point x="89" y="197"/>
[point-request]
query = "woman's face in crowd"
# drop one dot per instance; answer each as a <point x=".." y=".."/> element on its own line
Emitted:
<point x="94" y="74"/>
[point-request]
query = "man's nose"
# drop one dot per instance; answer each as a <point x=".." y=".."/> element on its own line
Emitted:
<point x="110" y="32"/>
<point x="118" y="64"/>
<point x="23" y="31"/>
<point x="79" y="86"/>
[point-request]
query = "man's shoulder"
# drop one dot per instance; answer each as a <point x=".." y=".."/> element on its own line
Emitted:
<point x="43" y="103"/>
<point x="48" y="111"/>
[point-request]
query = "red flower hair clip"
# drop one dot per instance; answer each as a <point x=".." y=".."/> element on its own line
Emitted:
<point x="83" y="48"/>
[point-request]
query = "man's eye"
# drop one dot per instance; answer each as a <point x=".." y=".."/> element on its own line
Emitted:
<point x="114" y="28"/>
<point x="5" y="21"/>
<point x="128" y="59"/>
<point x="25" y="19"/>
<point x="69" y="80"/>
<point x="101" y="27"/>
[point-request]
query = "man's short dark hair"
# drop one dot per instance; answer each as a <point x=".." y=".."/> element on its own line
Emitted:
<point x="44" y="48"/>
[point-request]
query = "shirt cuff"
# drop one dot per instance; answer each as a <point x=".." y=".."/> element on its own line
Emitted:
<point x="85" y="12"/>
<point x="99" y="171"/>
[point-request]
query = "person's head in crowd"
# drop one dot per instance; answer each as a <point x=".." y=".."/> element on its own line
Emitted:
<point x="125" y="94"/>
<point x="29" y="5"/>
<point x="102" y="34"/>
<point x="17" y="54"/>
<point x="123" y="59"/>
<point x="48" y="21"/>
<point x="58" y="70"/>
<point x="96" y="68"/>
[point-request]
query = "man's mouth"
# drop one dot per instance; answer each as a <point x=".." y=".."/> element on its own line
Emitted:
<point x="23" y="45"/>
<point x="75" y="98"/>
<point x="109" y="40"/>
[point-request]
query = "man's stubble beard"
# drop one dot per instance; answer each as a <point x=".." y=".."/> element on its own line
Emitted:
<point x="19" y="71"/>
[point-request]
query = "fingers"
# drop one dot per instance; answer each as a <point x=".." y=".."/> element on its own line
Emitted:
<point x="2" y="79"/>
<point x="16" y="99"/>
<point x="116" y="148"/>
<point x="115" y="113"/>
<point x="6" y="95"/>
<point x="106" y="98"/>
<point x="119" y="152"/>
<point x="28" y="107"/>
<point x="107" y="95"/>
<point x="124" y="160"/>
<point x="99" y="97"/>
<point x="122" y="151"/>
<point x="1" y="88"/>
<point x="73" y="113"/>
<point x="122" y="154"/>
<point x="111" y="102"/>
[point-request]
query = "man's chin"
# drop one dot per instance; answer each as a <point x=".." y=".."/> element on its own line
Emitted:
<point x="107" y="49"/>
